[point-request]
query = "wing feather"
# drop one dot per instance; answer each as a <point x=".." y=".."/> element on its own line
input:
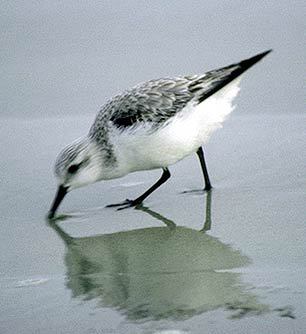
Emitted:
<point x="158" y="100"/>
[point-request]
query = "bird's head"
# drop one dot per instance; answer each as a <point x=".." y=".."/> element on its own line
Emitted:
<point x="79" y="164"/>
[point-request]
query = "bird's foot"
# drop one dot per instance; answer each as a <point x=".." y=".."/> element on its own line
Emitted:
<point x="125" y="204"/>
<point x="197" y="191"/>
<point x="207" y="188"/>
<point x="53" y="219"/>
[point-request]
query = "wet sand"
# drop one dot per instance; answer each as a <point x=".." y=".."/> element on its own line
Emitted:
<point x="231" y="261"/>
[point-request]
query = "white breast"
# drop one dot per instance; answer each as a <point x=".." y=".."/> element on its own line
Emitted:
<point x="140" y="149"/>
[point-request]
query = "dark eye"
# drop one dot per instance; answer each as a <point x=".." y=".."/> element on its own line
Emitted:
<point x="73" y="168"/>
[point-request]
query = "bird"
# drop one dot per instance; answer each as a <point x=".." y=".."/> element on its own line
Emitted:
<point x="153" y="125"/>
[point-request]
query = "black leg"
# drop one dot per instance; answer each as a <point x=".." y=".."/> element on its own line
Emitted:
<point x="200" y="154"/>
<point x="128" y="203"/>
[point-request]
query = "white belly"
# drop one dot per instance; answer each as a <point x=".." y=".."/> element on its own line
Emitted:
<point x="141" y="149"/>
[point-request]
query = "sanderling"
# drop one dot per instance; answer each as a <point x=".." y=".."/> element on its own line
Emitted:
<point x="153" y="125"/>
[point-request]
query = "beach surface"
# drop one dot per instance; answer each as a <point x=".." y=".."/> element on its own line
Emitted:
<point x="232" y="260"/>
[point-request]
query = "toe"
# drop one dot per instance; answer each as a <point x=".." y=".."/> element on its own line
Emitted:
<point x="127" y="201"/>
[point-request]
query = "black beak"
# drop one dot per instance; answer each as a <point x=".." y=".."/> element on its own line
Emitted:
<point x="61" y="192"/>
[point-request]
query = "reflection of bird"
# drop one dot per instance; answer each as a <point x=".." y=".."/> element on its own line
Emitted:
<point x="153" y="125"/>
<point x="161" y="272"/>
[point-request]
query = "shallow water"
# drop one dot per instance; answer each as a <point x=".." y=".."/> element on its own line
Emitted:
<point x="229" y="261"/>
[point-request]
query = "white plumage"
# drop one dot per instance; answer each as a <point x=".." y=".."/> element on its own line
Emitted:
<point x="153" y="125"/>
<point x="139" y="149"/>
